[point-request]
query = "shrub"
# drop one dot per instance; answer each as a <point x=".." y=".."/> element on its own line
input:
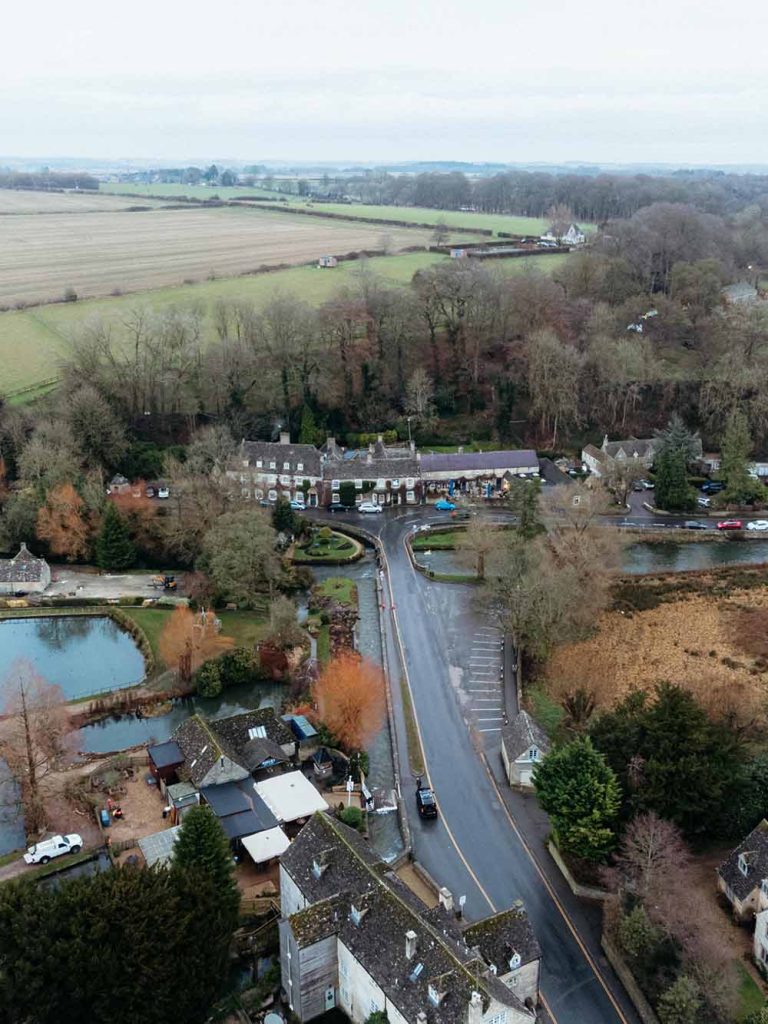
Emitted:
<point x="353" y="817"/>
<point x="70" y="295"/>
<point x="207" y="679"/>
<point x="236" y="667"/>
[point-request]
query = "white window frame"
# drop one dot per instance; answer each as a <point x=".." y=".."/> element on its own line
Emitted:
<point x="409" y="483"/>
<point x="334" y="485"/>
<point x="272" y="464"/>
<point x="272" y="494"/>
<point x="743" y="865"/>
<point x="287" y="465"/>
<point x="335" y="496"/>
<point x="358" y="485"/>
<point x="258" y="463"/>
<point x="299" y="467"/>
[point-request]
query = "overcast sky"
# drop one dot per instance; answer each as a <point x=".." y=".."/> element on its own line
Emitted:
<point x="386" y="80"/>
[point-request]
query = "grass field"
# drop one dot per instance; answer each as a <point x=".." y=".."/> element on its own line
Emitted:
<point x="245" y="628"/>
<point x="468" y="221"/>
<point x="95" y="254"/>
<point x="33" y="342"/>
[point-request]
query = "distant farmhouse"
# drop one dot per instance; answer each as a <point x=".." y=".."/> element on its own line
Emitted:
<point x="381" y="473"/>
<point x="573" y="236"/>
<point x="354" y="936"/>
<point x="24" y="573"/>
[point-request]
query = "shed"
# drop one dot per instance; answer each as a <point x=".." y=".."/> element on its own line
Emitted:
<point x="290" y="796"/>
<point x="158" y="848"/>
<point x="301" y="727"/>
<point x="225" y="799"/>
<point x="181" y="796"/>
<point x="165" y="759"/>
<point x="265" y="846"/>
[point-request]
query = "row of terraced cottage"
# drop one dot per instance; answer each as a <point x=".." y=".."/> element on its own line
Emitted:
<point x="383" y="474"/>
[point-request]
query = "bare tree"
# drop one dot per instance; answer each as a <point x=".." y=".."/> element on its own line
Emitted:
<point x="36" y="735"/>
<point x="476" y="543"/>
<point x="419" y="395"/>
<point x="554" y="381"/>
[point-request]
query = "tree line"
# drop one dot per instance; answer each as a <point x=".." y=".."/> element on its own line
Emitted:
<point x="48" y="180"/>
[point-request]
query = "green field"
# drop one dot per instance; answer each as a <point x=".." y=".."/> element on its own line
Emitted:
<point x="33" y="342"/>
<point x="467" y="221"/>
<point x="245" y="628"/>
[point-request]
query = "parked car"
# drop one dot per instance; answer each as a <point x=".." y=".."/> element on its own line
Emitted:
<point x="298" y="506"/>
<point x="163" y="492"/>
<point x="758" y="524"/>
<point x="638" y="486"/>
<point x="337" y="506"/>
<point x="462" y="513"/>
<point x="694" y="524"/>
<point x="56" y="846"/>
<point x="703" y="502"/>
<point x="443" y="505"/>
<point x="647" y="485"/>
<point x="426" y="804"/>
<point x="150" y="492"/>
<point x="369" y="506"/>
<point x="265" y="503"/>
<point x="730" y="524"/>
<point x="713" y="487"/>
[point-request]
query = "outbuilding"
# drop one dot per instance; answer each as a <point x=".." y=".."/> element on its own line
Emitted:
<point x="290" y="797"/>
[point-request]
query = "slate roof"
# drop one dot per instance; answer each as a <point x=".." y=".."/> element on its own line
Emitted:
<point x="202" y="749"/>
<point x="272" y="451"/>
<point x="632" y="448"/>
<point x="522" y="733"/>
<point x="165" y="755"/>
<point x="498" y="937"/>
<point x="233" y="732"/>
<point x="595" y="452"/>
<point x="755" y="849"/>
<point x="245" y="823"/>
<point x="354" y="878"/>
<point x="472" y="461"/>
<point x="385" y="463"/>
<point x="225" y="799"/>
<point x="24" y="567"/>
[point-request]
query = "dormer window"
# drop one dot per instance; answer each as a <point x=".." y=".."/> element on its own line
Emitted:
<point x="533" y="753"/>
<point x="286" y="465"/>
<point x="273" y="464"/>
<point x="299" y="467"/>
<point x="257" y="732"/>
<point x="356" y="915"/>
<point x="764" y="887"/>
<point x="435" y="995"/>
<point x="318" y="868"/>
<point x="743" y="864"/>
<point x="514" y="961"/>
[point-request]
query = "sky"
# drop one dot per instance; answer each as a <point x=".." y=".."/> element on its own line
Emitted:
<point x="674" y="81"/>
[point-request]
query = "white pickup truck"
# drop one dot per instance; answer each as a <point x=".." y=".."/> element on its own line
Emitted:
<point x="56" y="846"/>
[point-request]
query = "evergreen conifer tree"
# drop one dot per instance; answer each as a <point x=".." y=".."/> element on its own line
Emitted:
<point x="202" y="845"/>
<point x="673" y="492"/>
<point x="114" y="548"/>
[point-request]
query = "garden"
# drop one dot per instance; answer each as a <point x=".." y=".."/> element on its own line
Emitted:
<point x="326" y="545"/>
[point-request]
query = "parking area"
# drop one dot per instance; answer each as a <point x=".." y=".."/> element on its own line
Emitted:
<point x="69" y="582"/>
<point x="484" y="680"/>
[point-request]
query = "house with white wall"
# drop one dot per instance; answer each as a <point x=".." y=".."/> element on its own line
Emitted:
<point x="523" y="745"/>
<point x="743" y="877"/>
<point x="354" y="936"/>
<point x="24" y="573"/>
<point x="268" y="470"/>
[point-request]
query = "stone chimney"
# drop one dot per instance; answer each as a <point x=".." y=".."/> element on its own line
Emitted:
<point x="369" y="455"/>
<point x="475" y="1009"/>
<point x="285" y="437"/>
<point x="605" y="443"/>
<point x="330" y="445"/>
<point x="410" y="945"/>
<point x="421" y="1017"/>
<point x="445" y="897"/>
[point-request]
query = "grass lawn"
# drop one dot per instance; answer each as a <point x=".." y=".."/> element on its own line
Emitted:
<point x="546" y="711"/>
<point x="435" y="540"/>
<point x="751" y="997"/>
<point x="337" y="548"/>
<point x="244" y="627"/>
<point x="324" y="644"/>
<point x="341" y="589"/>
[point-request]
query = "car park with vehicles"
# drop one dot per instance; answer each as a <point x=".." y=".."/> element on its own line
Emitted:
<point x="730" y="524"/>
<point x="369" y="506"/>
<point x="443" y="505"/>
<point x="56" y="846"/>
<point x="694" y="524"/>
<point x="759" y="525"/>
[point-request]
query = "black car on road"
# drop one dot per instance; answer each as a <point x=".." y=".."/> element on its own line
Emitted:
<point x="425" y="801"/>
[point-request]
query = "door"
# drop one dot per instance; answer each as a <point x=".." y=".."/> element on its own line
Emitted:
<point x="330" y="997"/>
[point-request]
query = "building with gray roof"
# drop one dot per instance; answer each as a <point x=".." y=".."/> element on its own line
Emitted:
<point x="523" y="744"/>
<point x="24" y="573"/>
<point x="353" y="935"/>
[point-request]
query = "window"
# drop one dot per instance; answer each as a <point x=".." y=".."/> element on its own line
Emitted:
<point x="410" y="496"/>
<point x="498" y="1018"/>
<point x="285" y="481"/>
<point x="514" y="961"/>
<point x="273" y="495"/>
<point x="358" y="485"/>
<point x="513" y="981"/>
<point x="374" y="1006"/>
<point x="299" y="467"/>
<point x="763" y="953"/>
<point x="335" y="496"/>
<point x="257" y="732"/>
<point x="258" y="463"/>
<point x="381" y="484"/>
<point x="286" y="465"/>
<point x="743" y="864"/>
<point x="533" y="753"/>
<point x="273" y="464"/>
<point x="258" y="493"/>
<point x="344" y="969"/>
<point x="395" y="482"/>
<point x="409" y="483"/>
<point x="334" y="486"/>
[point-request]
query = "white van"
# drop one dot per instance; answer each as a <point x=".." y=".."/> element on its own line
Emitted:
<point x="56" y="846"/>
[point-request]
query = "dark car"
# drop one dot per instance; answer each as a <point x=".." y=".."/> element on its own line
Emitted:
<point x="337" y="506"/>
<point x="425" y="802"/>
<point x="713" y="487"/>
<point x="694" y="524"/>
<point x="462" y="513"/>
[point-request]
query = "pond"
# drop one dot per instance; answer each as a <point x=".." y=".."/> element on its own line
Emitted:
<point x="666" y="556"/>
<point x="122" y="731"/>
<point x="82" y="654"/>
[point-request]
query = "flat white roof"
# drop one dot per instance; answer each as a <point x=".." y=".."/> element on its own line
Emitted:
<point x="290" y="796"/>
<point x="263" y="846"/>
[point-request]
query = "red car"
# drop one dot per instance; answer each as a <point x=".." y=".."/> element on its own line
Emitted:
<point x="730" y="524"/>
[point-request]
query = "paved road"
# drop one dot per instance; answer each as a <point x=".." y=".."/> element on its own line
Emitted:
<point x="474" y="848"/>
